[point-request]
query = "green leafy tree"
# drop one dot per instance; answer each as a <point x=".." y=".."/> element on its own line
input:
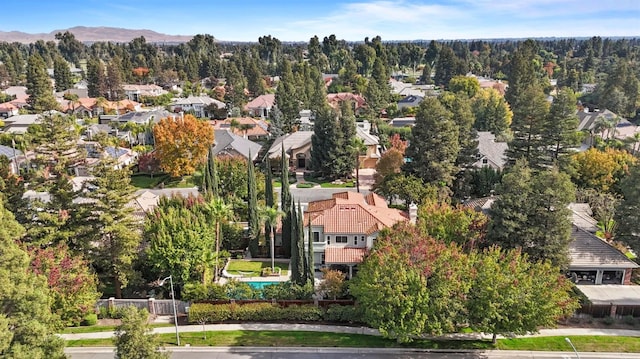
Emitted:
<point x="465" y="85"/>
<point x="114" y="79"/>
<point x="112" y="236"/>
<point x="628" y="211"/>
<point x="492" y="112"/>
<point x="39" y="86"/>
<point x="133" y="338"/>
<point x="27" y="326"/>
<point x="218" y="212"/>
<point x="532" y="214"/>
<point x="512" y="295"/>
<point x="434" y="145"/>
<point x="461" y="225"/>
<point x="62" y="74"/>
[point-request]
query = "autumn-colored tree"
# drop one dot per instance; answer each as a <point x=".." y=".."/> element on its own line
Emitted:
<point x="601" y="170"/>
<point x="70" y="279"/>
<point x="332" y="284"/>
<point x="398" y="143"/>
<point x="389" y="164"/>
<point x="182" y="144"/>
<point x="149" y="163"/>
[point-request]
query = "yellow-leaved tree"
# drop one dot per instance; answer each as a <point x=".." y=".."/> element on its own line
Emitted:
<point x="182" y="144"/>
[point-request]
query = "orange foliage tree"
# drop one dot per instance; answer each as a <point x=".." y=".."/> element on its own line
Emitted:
<point x="182" y="144"/>
<point x="601" y="170"/>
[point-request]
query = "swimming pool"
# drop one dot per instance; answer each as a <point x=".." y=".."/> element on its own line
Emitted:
<point x="261" y="285"/>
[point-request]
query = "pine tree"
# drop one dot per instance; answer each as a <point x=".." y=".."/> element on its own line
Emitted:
<point x="39" y="86"/>
<point x="561" y="126"/>
<point x="434" y="144"/>
<point x="345" y="160"/>
<point x="285" y="204"/>
<point x="287" y="100"/>
<point x="96" y="78"/>
<point x="62" y="74"/>
<point x="112" y="236"/>
<point x="523" y="74"/>
<point x="628" y="210"/>
<point x="324" y="141"/>
<point x="528" y="127"/>
<point x="254" y="218"/>
<point x="113" y="82"/>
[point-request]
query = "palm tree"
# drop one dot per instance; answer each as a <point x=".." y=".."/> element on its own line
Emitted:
<point x="357" y="148"/>
<point x="219" y="211"/>
<point x="270" y="217"/>
<point x="634" y="142"/>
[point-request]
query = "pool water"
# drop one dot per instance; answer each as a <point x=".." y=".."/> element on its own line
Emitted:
<point x="261" y="285"/>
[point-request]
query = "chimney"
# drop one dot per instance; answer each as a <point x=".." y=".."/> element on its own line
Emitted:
<point x="413" y="213"/>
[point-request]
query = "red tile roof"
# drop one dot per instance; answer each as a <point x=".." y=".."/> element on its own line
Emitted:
<point x="262" y="101"/>
<point x="259" y="128"/>
<point x="338" y="255"/>
<point x="335" y="99"/>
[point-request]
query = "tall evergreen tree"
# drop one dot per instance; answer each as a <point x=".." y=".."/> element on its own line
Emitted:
<point x="324" y="142"/>
<point x="530" y="117"/>
<point x="345" y="161"/>
<point x="114" y="79"/>
<point x="532" y="214"/>
<point x="39" y="86"/>
<point x="523" y="73"/>
<point x="561" y="126"/>
<point x="112" y="236"/>
<point x="445" y="68"/>
<point x="434" y="144"/>
<point x="303" y="263"/>
<point x="269" y="201"/>
<point x="311" y="267"/>
<point x="254" y="217"/>
<point x="628" y="211"/>
<point x="296" y="264"/>
<point x="62" y="74"/>
<point x="96" y="78"/>
<point x="210" y="176"/>
<point x="285" y="204"/>
<point x="287" y="100"/>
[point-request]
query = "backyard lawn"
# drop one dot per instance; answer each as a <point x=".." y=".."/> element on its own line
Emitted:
<point x="144" y="181"/>
<point x="253" y="268"/>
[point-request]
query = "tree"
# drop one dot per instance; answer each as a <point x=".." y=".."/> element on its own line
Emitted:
<point x="62" y="74"/>
<point x="71" y="281"/>
<point x="333" y="284"/>
<point x="434" y="146"/>
<point x="532" y="214"/>
<point x="512" y="295"/>
<point x="530" y="115"/>
<point x="411" y="284"/>
<point x="524" y="73"/>
<point x="133" y="338"/>
<point x="492" y="112"/>
<point x="311" y="267"/>
<point x="96" y="78"/>
<point x="39" y="86"/>
<point x="270" y="217"/>
<point x="27" y="326"/>
<point x="461" y="225"/>
<point x="325" y="142"/>
<point x="601" y="170"/>
<point x="111" y="235"/>
<point x="285" y="204"/>
<point x="446" y="66"/>
<point x="182" y="144"/>
<point x="219" y="213"/>
<point x="409" y="189"/>
<point x="357" y="148"/>
<point x="628" y="211"/>
<point x="254" y="219"/>
<point x="465" y="85"/>
<point x="298" y="274"/>
<point x="561" y="127"/>
<point x="210" y="176"/>
<point x="287" y="99"/>
<point x="113" y="81"/>
<point x="390" y="163"/>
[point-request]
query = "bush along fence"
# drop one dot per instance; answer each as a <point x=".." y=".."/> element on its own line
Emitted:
<point x="110" y="308"/>
<point x="203" y="313"/>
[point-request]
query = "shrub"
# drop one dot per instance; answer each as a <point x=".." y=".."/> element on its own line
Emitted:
<point x="305" y="185"/>
<point x="608" y="320"/>
<point x="240" y="290"/>
<point x="90" y="319"/>
<point x="260" y="312"/>
<point x="209" y="313"/>
<point x="109" y="313"/>
<point x="199" y="291"/>
<point x="288" y="291"/>
<point x="629" y="320"/>
<point x="302" y="313"/>
<point x="343" y="314"/>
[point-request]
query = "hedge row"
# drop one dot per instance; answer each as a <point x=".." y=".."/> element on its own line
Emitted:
<point x="268" y="312"/>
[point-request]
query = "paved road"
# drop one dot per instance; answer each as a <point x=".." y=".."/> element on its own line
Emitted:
<point x="345" y="353"/>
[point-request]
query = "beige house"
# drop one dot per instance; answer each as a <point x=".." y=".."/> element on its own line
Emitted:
<point x="297" y="149"/>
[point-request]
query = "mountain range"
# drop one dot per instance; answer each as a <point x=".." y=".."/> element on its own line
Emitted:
<point x="94" y="34"/>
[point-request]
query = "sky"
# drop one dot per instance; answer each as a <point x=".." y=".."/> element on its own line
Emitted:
<point x="299" y="20"/>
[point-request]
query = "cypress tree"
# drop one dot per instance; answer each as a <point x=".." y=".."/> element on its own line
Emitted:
<point x="297" y="272"/>
<point x="310" y="264"/>
<point x="269" y="201"/>
<point x="285" y="205"/>
<point x="302" y="258"/>
<point x="254" y="220"/>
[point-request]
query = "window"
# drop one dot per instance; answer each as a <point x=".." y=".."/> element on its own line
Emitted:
<point x="316" y="237"/>
<point x="328" y="239"/>
<point x="355" y="240"/>
<point x="341" y="239"/>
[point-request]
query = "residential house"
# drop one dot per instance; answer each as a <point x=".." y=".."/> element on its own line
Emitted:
<point x="143" y="204"/>
<point x="250" y="128"/>
<point x="227" y="143"/>
<point x="305" y="121"/>
<point x="19" y="123"/>
<point x="410" y="101"/>
<point x="201" y="106"/>
<point x="359" y="103"/>
<point x="14" y="156"/>
<point x="91" y="107"/>
<point x="494" y="84"/>
<point x="95" y="153"/>
<point x="370" y="158"/>
<point x="136" y="92"/>
<point x="8" y="109"/>
<point x="297" y="148"/>
<point x="490" y="153"/>
<point x="403" y="122"/>
<point x="405" y="89"/>
<point x="261" y="106"/>
<point x="344" y="228"/>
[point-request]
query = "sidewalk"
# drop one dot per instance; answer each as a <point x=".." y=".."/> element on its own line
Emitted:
<point x="353" y="330"/>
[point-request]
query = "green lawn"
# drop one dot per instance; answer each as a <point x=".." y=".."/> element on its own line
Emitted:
<point x="254" y="267"/>
<point x="321" y="339"/>
<point x="349" y="184"/>
<point x="143" y="181"/>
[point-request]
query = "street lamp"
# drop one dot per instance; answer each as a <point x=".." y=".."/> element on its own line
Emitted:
<point x="574" y="348"/>
<point x="173" y="301"/>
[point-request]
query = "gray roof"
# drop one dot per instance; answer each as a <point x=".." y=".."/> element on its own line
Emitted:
<point x="581" y="217"/>
<point x="9" y="152"/>
<point x="195" y="100"/>
<point x="588" y="119"/>
<point x="143" y="117"/>
<point x="411" y="99"/>
<point x="226" y="140"/>
<point x="609" y="294"/>
<point x="367" y="138"/>
<point x="403" y="121"/>
<point x="492" y="150"/>
<point x="588" y="251"/>
<point x="290" y="141"/>
<point x="22" y="120"/>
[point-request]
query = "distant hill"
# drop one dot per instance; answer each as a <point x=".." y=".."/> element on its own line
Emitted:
<point x="95" y="34"/>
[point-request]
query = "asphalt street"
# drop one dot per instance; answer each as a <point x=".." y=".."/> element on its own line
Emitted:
<point x="345" y="353"/>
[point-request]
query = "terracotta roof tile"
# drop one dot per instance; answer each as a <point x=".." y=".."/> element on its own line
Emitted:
<point x="334" y="255"/>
